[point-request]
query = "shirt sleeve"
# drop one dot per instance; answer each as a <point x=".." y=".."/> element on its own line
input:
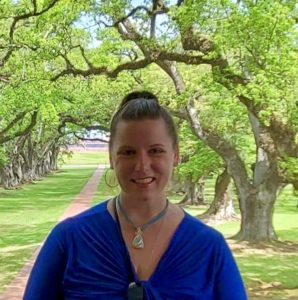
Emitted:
<point x="229" y="284"/>
<point x="46" y="278"/>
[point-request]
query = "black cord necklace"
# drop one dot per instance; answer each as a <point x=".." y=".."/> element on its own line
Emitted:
<point x="138" y="241"/>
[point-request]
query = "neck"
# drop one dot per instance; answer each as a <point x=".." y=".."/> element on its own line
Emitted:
<point x="142" y="209"/>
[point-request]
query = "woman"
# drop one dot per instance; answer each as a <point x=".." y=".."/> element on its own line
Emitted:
<point x="137" y="245"/>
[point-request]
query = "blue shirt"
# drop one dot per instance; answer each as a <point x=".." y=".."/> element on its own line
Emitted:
<point x="84" y="257"/>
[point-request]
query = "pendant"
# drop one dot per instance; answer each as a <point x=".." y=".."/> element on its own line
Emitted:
<point x="138" y="241"/>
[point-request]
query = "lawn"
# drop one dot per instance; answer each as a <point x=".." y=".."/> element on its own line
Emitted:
<point x="27" y="215"/>
<point x="86" y="158"/>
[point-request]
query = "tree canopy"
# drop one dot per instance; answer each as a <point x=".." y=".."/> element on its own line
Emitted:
<point x="225" y="67"/>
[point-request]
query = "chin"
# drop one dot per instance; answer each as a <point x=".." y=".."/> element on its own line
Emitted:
<point x="144" y="195"/>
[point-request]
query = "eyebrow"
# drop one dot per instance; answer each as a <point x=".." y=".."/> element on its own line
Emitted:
<point x="157" y="145"/>
<point x="124" y="147"/>
<point x="150" y="146"/>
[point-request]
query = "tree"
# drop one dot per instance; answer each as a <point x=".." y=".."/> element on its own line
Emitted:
<point x="246" y="45"/>
<point x="37" y="116"/>
<point x="242" y="54"/>
<point x="197" y="163"/>
<point x="221" y="208"/>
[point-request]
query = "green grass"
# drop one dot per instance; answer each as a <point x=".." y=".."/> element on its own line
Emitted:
<point x="263" y="269"/>
<point x="87" y="158"/>
<point x="286" y="215"/>
<point x="27" y="215"/>
<point x="104" y="192"/>
<point x="269" y="270"/>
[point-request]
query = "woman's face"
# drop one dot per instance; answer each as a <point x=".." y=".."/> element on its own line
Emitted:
<point x="143" y="157"/>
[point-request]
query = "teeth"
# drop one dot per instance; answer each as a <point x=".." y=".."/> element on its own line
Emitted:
<point x="144" y="180"/>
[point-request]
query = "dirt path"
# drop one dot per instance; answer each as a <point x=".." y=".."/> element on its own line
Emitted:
<point x="81" y="202"/>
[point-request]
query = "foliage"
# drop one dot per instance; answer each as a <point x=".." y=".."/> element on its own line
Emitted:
<point x="71" y="61"/>
<point x="197" y="159"/>
<point x="289" y="165"/>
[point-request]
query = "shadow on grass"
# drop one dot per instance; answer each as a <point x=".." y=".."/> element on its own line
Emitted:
<point x="269" y="275"/>
<point x="268" y="270"/>
<point x="28" y="214"/>
<point x="14" y="235"/>
<point x="291" y="233"/>
<point x="51" y="189"/>
<point x="11" y="263"/>
<point x="17" y="243"/>
<point x="24" y="205"/>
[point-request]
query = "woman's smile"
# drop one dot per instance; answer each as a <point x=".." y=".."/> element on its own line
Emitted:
<point x="143" y="181"/>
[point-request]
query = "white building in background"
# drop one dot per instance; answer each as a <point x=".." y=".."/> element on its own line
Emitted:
<point x="97" y="134"/>
<point x="96" y="142"/>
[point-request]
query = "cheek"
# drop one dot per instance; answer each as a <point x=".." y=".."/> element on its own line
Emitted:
<point x="121" y="166"/>
<point x="164" y="167"/>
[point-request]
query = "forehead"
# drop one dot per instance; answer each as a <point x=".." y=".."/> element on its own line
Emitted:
<point x="148" y="131"/>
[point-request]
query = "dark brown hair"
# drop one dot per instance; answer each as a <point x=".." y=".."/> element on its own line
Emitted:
<point x="138" y="106"/>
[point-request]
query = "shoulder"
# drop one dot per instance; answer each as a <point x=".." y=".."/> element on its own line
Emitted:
<point x="208" y="240"/>
<point x="202" y="236"/>
<point x="202" y="241"/>
<point x="96" y="211"/>
<point x="199" y="228"/>
<point x="95" y="216"/>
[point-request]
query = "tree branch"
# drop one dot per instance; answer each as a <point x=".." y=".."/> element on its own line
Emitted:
<point x="4" y="78"/>
<point x="135" y="65"/>
<point x="89" y="139"/>
<point x="25" y="131"/>
<point x="15" y="20"/>
<point x="33" y="13"/>
<point x="79" y="122"/>
<point x="158" y="7"/>
<point x="18" y="117"/>
<point x="88" y="62"/>
<point x="234" y="163"/>
<point x="6" y="56"/>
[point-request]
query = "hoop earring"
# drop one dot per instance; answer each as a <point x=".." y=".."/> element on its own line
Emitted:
<point x="109" y="184"/>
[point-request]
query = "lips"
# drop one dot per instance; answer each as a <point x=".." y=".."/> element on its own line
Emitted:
<point x="146" y="180"/>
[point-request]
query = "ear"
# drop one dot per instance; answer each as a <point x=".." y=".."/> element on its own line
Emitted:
<point x="111" y="160"/>
<point x="176" y="156"/>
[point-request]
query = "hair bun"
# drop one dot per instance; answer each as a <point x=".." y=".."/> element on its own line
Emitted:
<point x="138" y="95"/>
<point x="140" y="106"/>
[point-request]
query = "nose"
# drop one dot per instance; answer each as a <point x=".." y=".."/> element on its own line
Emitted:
<point x="142" y="162"/>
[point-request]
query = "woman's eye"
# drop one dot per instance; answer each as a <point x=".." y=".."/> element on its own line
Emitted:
<point x="156" y="151"/>
<point x="126" y="152"/>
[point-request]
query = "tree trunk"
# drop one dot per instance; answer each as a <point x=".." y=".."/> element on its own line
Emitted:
<point x="54" y="158"/>
<point x="8" y="179"/>
<point x="200" y="195"/>
<point x="222" y="207"/>
<point x="256" y="195"/>
<point x="193" y="193"/>
<point x="31" y="161"/>
<point x="257" y="199"/>
<point x="257" y="217"/>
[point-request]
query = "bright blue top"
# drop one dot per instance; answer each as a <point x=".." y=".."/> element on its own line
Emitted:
<point x="85" y="258"/>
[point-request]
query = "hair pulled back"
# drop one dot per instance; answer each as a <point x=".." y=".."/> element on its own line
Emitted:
<point x="138" y="106"/>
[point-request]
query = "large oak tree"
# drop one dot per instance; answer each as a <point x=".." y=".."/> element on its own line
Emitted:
<point x="239" y="58"/>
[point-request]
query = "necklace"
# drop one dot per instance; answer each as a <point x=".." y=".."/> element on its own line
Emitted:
<point x="138" y="241"/>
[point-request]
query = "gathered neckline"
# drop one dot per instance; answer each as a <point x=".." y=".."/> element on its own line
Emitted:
<point x="170" y="245"/>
